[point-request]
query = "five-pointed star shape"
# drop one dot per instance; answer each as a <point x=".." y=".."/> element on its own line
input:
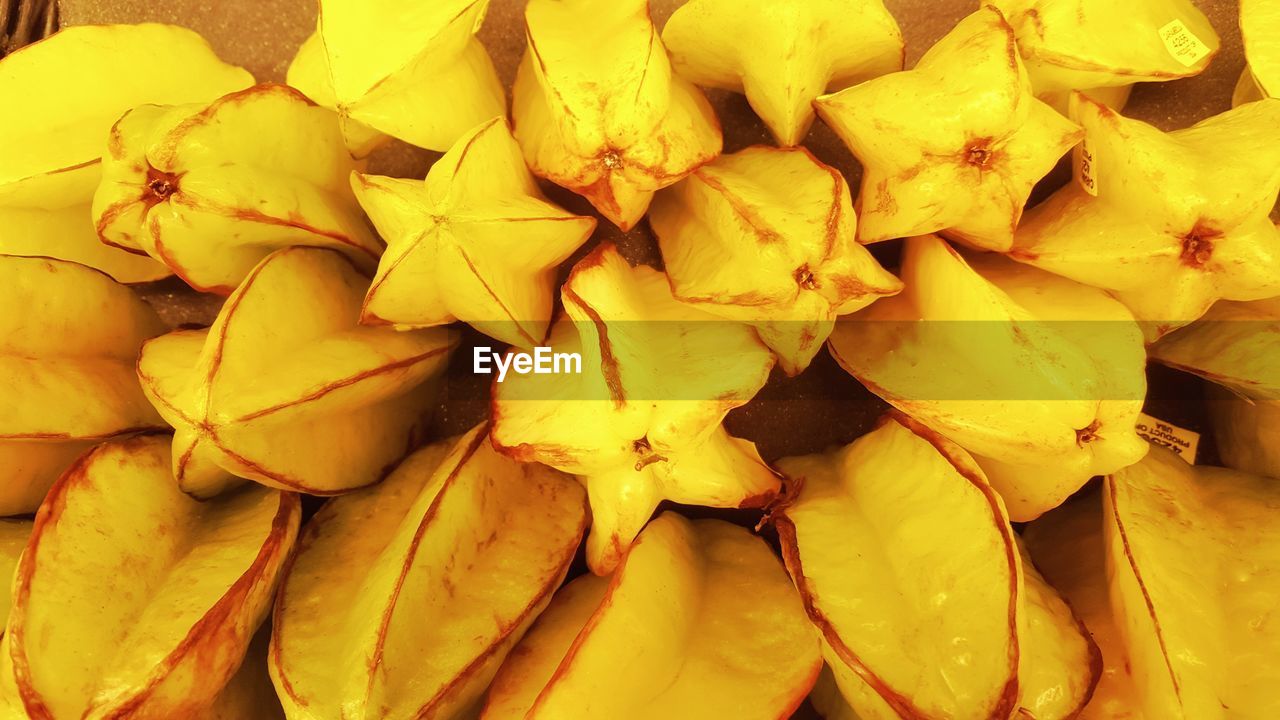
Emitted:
<point x="953" y="146"/>
<point x="476" y="241"/>
<point x="783" y="53"/>
<point x="1179" y="221"/>
<point x="642" y="421"/>
<point x="598" y="110"/>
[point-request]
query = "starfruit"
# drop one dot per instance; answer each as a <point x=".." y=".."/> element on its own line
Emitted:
<point x="210" y="190"/>
<point x="767" y="237"/>
<point x="134" y="600"/>
<point x="1041" y="378"/>
<point x="909" y="568"/>
<point x="1066" y="544"/>
<point x="1234" y="347"/>
<point x="1166" y="222"/>
<point x="783" y="54"/>
<point x="249" y="693"/>
<point x="1102" y="47"/>
<point x="13" y="538"/>
<point x="1192" y="555"/>
<point x="475" y="241"/>
<point x="698" y="621"/>
<point x="453" y="555"/>
<point x="827" y="700"/>
<point x="65" y="92"/>
<point x="642" y="420"/>
<point x="68" y="339"/>
<point x="599" y="111"/>
<point x="68" y="234"/>
<point x="414" y="72"/>
<point x="953" y="145"/>
<point x="1259" y="29"/>
<point x="286" y="389"/>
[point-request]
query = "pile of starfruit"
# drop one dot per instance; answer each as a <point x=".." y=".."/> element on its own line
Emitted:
<point x="256" y="517"/>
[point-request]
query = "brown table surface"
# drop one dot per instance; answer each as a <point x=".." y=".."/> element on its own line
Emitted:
<point x="823" y="406"/>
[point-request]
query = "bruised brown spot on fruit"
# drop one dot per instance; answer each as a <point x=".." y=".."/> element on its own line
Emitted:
<point x="1086" y="435"/>
<point x="647" y="456"/>
<point x="1197" y="246"/>
<point x="160" y="185"/>
<point x="979" y="153"/>
<point x="1034" y="16"/>
<point x="807" y="337"/>
<point x="750" y="298"/>
<point x="884" y="199"/>
<point x="804" y="278"/>
<point x="851" y="287"/>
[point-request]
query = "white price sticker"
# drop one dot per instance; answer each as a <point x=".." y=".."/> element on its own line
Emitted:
<point x="1183" y="44"/>
<point x="1086" y="168"/>
<point x="1180" y="440"/>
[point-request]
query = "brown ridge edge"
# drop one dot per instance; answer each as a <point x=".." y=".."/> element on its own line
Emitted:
<point x="548" y="589"/>
<point x="1008" y="698"/>
<point x="308" y="537"/>
<point x="288" y="513"/>
<point x="49" y="513"/>
<point x="1110" y="484"/>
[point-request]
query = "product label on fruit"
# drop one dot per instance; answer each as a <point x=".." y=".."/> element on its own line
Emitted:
<point x="1183" y="44"/>
<point x="1180" y="440"/>
<point x="1086" y="169"/>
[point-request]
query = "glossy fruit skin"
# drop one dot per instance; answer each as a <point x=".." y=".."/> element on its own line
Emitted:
<point x="210" y="190"/>
<point x="198" y="577"/>
<point x="643" y="421"/>
<point x="690" y="599"/>
<point x="68" y="338"/>
<point x="783" y="54"/>
<point x="598" y="110"/>
<point x="457" y="551"/>
<point x="476" y="241"/>
<point x="249" y="400"/>
<point x="768" y="237"/>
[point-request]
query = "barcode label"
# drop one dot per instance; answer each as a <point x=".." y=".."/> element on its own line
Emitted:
<point x="1182" y="441"/>
<point x="1183" y="44"/>
<point x="1087" y="169"/>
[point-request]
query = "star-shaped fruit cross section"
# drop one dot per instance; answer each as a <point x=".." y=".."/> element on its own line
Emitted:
<point x="476" y="241"/>
<point x="642" y="420"/>
<point x="766" y="236"/>
<point x="1167" y="222"/>
<point x="783" y="53"/>
<point x="954" y="145"/>
<point x="598" y="110"/>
